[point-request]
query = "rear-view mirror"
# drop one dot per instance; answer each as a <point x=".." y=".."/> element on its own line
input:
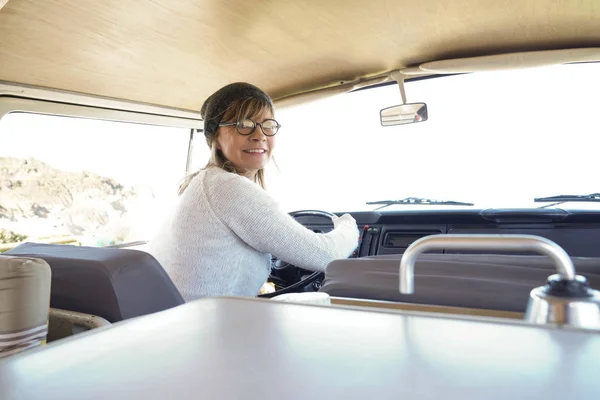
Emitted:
<point x="404" y="114"/>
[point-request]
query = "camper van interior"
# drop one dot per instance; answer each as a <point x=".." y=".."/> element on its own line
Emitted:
<point x="459" y="135"/>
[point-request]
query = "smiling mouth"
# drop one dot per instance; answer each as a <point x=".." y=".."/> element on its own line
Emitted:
<point x="255" y="151"/>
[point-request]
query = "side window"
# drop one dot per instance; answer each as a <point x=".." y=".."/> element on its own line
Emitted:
<point x="83" y="181"/>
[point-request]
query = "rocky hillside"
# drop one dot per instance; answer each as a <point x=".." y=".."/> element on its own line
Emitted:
<point x="38" y="200"/>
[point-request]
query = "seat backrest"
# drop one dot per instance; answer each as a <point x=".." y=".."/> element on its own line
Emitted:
<point x="115" y="284"/>
<point x="493" y="282"/>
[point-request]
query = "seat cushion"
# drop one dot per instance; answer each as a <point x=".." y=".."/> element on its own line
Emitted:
<point x="115" y="284"/>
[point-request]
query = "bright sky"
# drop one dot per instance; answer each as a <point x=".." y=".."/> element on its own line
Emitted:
<point x="496" y="139"/>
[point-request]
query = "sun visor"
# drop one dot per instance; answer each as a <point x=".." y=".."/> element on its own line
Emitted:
<point x="507" y="61"/>
<point x="496" y="62"/>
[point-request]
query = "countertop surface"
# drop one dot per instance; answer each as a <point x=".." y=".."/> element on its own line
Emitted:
<point x="233" y="348"/>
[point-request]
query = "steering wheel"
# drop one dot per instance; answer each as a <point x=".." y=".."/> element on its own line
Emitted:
<point x="280" y="265"/>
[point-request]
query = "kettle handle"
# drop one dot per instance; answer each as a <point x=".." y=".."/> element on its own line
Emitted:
<point x="538" y="244"/>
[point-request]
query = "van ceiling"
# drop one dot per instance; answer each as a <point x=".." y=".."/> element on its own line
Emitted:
<point x="176" y="53"/>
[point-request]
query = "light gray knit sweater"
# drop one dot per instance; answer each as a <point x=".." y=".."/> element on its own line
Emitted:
<point x="223" y="231"/>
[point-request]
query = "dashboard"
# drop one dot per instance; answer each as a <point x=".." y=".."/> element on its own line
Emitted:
<point x="392" y="232"/>
<point x="498" y="280"/>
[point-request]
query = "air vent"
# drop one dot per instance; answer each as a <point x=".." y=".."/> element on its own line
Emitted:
<point x="403" y="239"/>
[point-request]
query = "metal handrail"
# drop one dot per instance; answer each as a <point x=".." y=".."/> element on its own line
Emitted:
<point x="564" y="265"/>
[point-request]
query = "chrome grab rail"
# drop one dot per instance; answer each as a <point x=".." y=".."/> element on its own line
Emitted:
<point x="564" y="265"/>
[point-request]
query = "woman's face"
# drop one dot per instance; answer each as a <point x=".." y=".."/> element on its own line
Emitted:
<point x="249" y="153"/>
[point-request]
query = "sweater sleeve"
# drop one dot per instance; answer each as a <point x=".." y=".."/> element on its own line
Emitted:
<point x="250" y="212"/>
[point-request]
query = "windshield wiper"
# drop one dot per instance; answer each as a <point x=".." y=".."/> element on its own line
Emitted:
<point x="565" y="198"/>
<point x="411" y="201"/>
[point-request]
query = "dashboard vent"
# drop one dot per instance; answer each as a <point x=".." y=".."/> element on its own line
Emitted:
<point x="403" y="239"/>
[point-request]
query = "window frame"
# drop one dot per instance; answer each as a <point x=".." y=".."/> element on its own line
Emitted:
<point x="30" y="99"/>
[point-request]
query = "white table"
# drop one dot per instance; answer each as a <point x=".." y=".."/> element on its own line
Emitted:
<point x="259" y="349"/>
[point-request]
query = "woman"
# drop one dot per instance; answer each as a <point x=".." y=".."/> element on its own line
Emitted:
<point x="225" y="228"/>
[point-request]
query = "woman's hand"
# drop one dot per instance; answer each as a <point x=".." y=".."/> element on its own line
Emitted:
<point x="345" y="219"/>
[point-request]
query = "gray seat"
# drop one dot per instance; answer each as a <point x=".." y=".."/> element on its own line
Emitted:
<point x="493" y="282"/>
<point x="115" y="284"/>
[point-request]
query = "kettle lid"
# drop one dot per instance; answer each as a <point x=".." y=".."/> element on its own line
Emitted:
<point x="557" y="286"/>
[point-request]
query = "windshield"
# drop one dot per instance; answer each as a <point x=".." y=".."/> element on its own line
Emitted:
<point x="494" y="139"/>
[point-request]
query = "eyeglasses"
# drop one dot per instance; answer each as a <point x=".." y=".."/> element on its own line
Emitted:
<point x="246" y="126"/>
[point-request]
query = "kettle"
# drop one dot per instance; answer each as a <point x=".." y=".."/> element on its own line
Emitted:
<point x="565" y="300"/>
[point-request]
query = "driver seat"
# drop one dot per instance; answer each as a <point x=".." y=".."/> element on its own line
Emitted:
<point x="115" y="284"/>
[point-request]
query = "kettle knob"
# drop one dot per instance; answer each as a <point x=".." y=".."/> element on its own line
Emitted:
<point x="564" y="301"/>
